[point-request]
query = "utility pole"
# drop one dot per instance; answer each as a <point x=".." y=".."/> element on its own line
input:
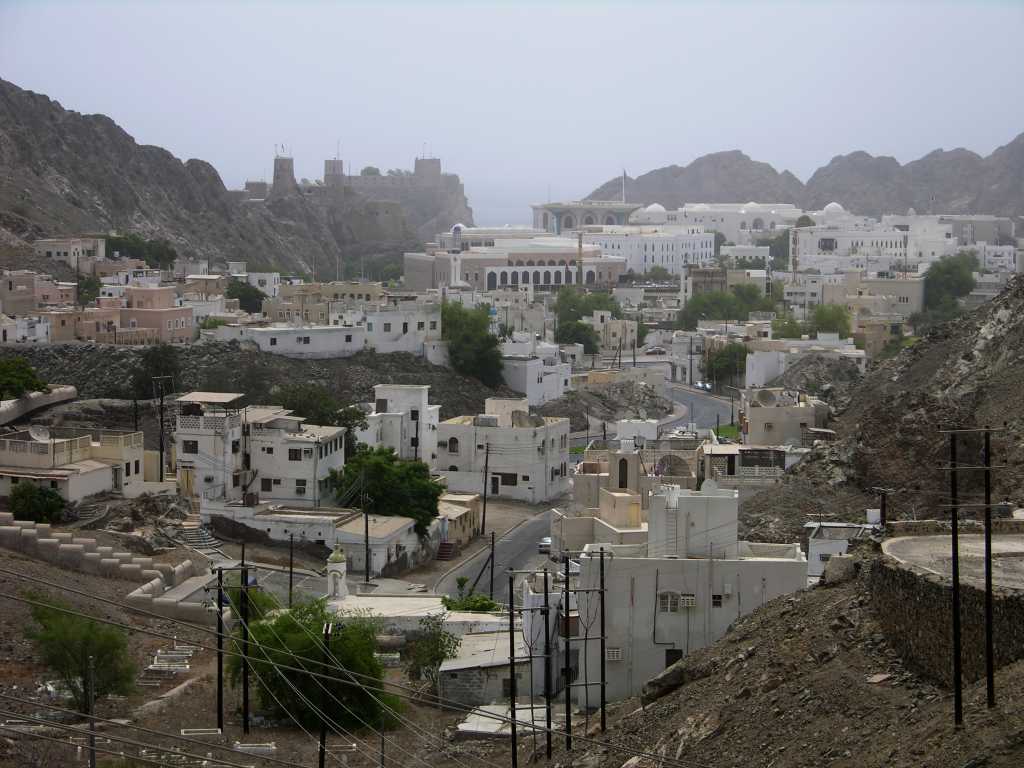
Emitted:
<point x="243" y="599"/>
<point x="547" y="667"/>
<point x="291" y="566"/>
<point x="958" y="703"/>
<point x="990" y="677"/>
<point x="91" y="702"/>
<point x="492" y="566"/>
<point x="158" y="384"/>
<point x="566" y="670"/>
<point x="487" y="459"/>
<point x="604" y="714"/>
<point x="135" y="413"/>
<point x="323" y="698"/>
<point x="512" y="668"/>
<point x="689" y="360"/>
<point x="220" y="650"/>
<point x="416" y="446"/>
<point x="634" y="353"/>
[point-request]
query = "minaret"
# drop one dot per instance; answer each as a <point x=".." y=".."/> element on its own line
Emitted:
<point x="337" y="587"/>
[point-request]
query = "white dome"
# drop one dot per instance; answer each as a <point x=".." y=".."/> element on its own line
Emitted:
<point x="834" y="207"/>
<point x="752" y="204"/>
<point x="911" y="211"/>
<point x="655" y="208"/>
<point x="458" y="228"/>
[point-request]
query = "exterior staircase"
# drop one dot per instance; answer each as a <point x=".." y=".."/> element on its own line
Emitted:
<point x="446" y="550"/>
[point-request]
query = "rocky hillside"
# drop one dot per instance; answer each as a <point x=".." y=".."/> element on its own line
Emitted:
<point x="63" y="172"/>
<point x="809" y="680"/>
<point x="103" y="371"/>
<point x="960" y="181"/>
<point x="966" y="373"/>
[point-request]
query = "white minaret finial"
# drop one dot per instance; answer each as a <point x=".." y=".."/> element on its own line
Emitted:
<point x="337" y="587"/>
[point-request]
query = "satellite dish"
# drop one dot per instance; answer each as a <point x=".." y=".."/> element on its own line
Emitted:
<point x="39" y="433"/>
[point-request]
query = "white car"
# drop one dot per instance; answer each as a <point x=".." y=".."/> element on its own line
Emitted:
<point x="544" y="546"/>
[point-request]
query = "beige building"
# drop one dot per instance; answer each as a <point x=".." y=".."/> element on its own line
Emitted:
<point x="18" y="292"/>
<point x="613" y="334"/>
<point x="775" y="416"/>
<point x="865" y="296"/>
<point x="620" y="466"/>
<point x="158" y="308"/>
<point x="459" y="514"/>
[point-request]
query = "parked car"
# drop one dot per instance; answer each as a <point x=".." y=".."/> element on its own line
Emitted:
<point x="544" y="546"/>
<point x="707" y="386"/>
<point x="656" y="351"/>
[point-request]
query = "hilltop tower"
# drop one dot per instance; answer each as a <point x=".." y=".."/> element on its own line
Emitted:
<point x="334" y="173"/>
<point x="284" y="177"/>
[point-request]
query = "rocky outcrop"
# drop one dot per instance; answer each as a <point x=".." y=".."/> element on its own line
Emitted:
<point x="955" y="181"/>
<point x="63" y="172"/>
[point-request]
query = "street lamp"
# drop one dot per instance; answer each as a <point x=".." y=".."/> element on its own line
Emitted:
<point x="732" y="412"/>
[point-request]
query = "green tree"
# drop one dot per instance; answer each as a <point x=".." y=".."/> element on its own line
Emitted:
<point x="719" y="242"/>
<point x="352" y="418"/>
<point x="18" y="378"/>
<point x="313" y="402"/>
<point x="831" y="318"/>
<point x="158" y="360"/>
<point x="505" y="331"/>
<point x="472" y="349"/>
<point x="432" y="646"/>
<point x="88" y="288"/>
<point x="41" y="505"/>
<point x="391" y="486"/>
<point x="787" y="327"/>
<point x="65" y="642"/>
<point x="778" y="250"/>
<point x="474" y="602"/>
<point x="728" y="362"/>
<point x="158" y="254"/>
<point x="804" y="221"/>
<point x="945" y="282"/>
<point x="370" y="170"/>
<point x="298" y="633"/>
<point x="578" y="333"/>
<point x="209" y="323"/>
<point x="659" y="274"/>
<point x="250" y="298"/>
<point x="571" y="304"/>
<point x="716" y="305"/>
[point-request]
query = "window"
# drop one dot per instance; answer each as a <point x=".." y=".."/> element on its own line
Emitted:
<point x="668" y="602"/>
<point x="190" y="446"/>
<point x="53" y="484"/>
<point x="824" y="557"/>
<point x="348" y="337"/>
<point x="269" y="450"/>
<point x="235" y="444"/>
<point x="127" y="469"/>
<point x="136" y="466"/>
<point x="387" y="327"/>
<point x="266" y="484"/>
<point x="414" y="414"/>
<point x="273" y="341"/>
<point x="419" y="325"/>
<point x="716" y="601"/>
<point x="526" y="478"/>
<point x="405" y="327"/>
<point x="294" y="454"/>
<point x="300" y="483"/>
<point x="433" y="325"/>
<point x="236" y="480"/>
<point x="509" y="478"/>
<point x="453" y="445"/>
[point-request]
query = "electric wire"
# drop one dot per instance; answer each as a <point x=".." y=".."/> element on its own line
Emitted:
<point x="413" y="694"/>
<point x="100" y="750"/>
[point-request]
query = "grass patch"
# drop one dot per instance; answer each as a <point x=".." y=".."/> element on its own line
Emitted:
<point x="728" y="430"/>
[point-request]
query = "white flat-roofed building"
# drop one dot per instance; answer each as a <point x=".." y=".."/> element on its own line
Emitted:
<point x="224" y="450"/>
<point x="526" y="455"/>
<point x="646" y="247"/>
<point x="401" y="418"/>
<point x="740" y="223"/>
<point x="825" y="540"/>
<point x="73" y="251"/>
<point x="674" y="585"/>
<point x="540" y="379"/>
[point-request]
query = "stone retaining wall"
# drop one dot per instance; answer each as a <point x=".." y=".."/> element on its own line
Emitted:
<point x="74" y="553"/>
<point x="914" y="608"/>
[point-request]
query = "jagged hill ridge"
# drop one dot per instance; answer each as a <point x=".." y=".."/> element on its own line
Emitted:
<point x="63" y="172"/>
<point x="960" y="181"/>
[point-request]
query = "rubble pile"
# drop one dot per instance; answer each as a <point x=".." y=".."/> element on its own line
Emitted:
<point x="810" y="680"/>
<point x="105" y="371"/>
<point x="608" y="402"/>
<point x="144" y="524"/>
<point x="829" y="378"/>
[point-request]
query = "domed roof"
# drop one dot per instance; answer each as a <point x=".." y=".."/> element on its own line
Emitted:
<point x="752" y="204"/>
<point x="834" y="207"/>
<point x="911" y="211"/>
<point x="458" y="228"/>
<point x="338" y="555"/>
<point x="655" y="208"/>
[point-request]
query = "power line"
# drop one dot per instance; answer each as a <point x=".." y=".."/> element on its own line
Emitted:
<point x="68" y="744"/>
<point x="413" y="694"/>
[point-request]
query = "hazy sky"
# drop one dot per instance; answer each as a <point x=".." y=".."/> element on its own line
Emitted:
<point x="520" y="97"/>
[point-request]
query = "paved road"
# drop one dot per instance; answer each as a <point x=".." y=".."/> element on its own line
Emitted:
<point x="705" y="407"/>
<point x="517" y="549"/>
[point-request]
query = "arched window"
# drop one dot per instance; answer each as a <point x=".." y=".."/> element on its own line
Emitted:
<point x="590" y="276"/>
<point x="623" y="473"/>
<point x="504" y="278"/>
<point x="529" y="263"/>
<point x="609" y="220"/>
<point x="589" y="220"/>
<point x="545" y="220"/>
<point x="536" y="277"/>
<point x="558" y="278"/>
<point x="492" y="281"/>
<point x="453" y="445"/>
<point x="758" y="224"/>
<point x="551" y="262"/>
<point x="743" y="225"/>
<point x="547" y="277"/>
<point x="526" y="277"/>
<point x="453" y="468"/>
<point x="568" y="222"/>
<point x="515" y="278"/>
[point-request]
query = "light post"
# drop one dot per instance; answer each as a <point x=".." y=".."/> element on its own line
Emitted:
<point x="732" y="411"/>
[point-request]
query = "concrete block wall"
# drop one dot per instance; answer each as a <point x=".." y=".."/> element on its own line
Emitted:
<point x="914" y="608"/>
<point x="77" y="553"/>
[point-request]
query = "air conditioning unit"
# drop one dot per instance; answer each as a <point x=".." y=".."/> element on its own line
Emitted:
<point x="613" y="654"/>
<point x="208" y="478"/>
